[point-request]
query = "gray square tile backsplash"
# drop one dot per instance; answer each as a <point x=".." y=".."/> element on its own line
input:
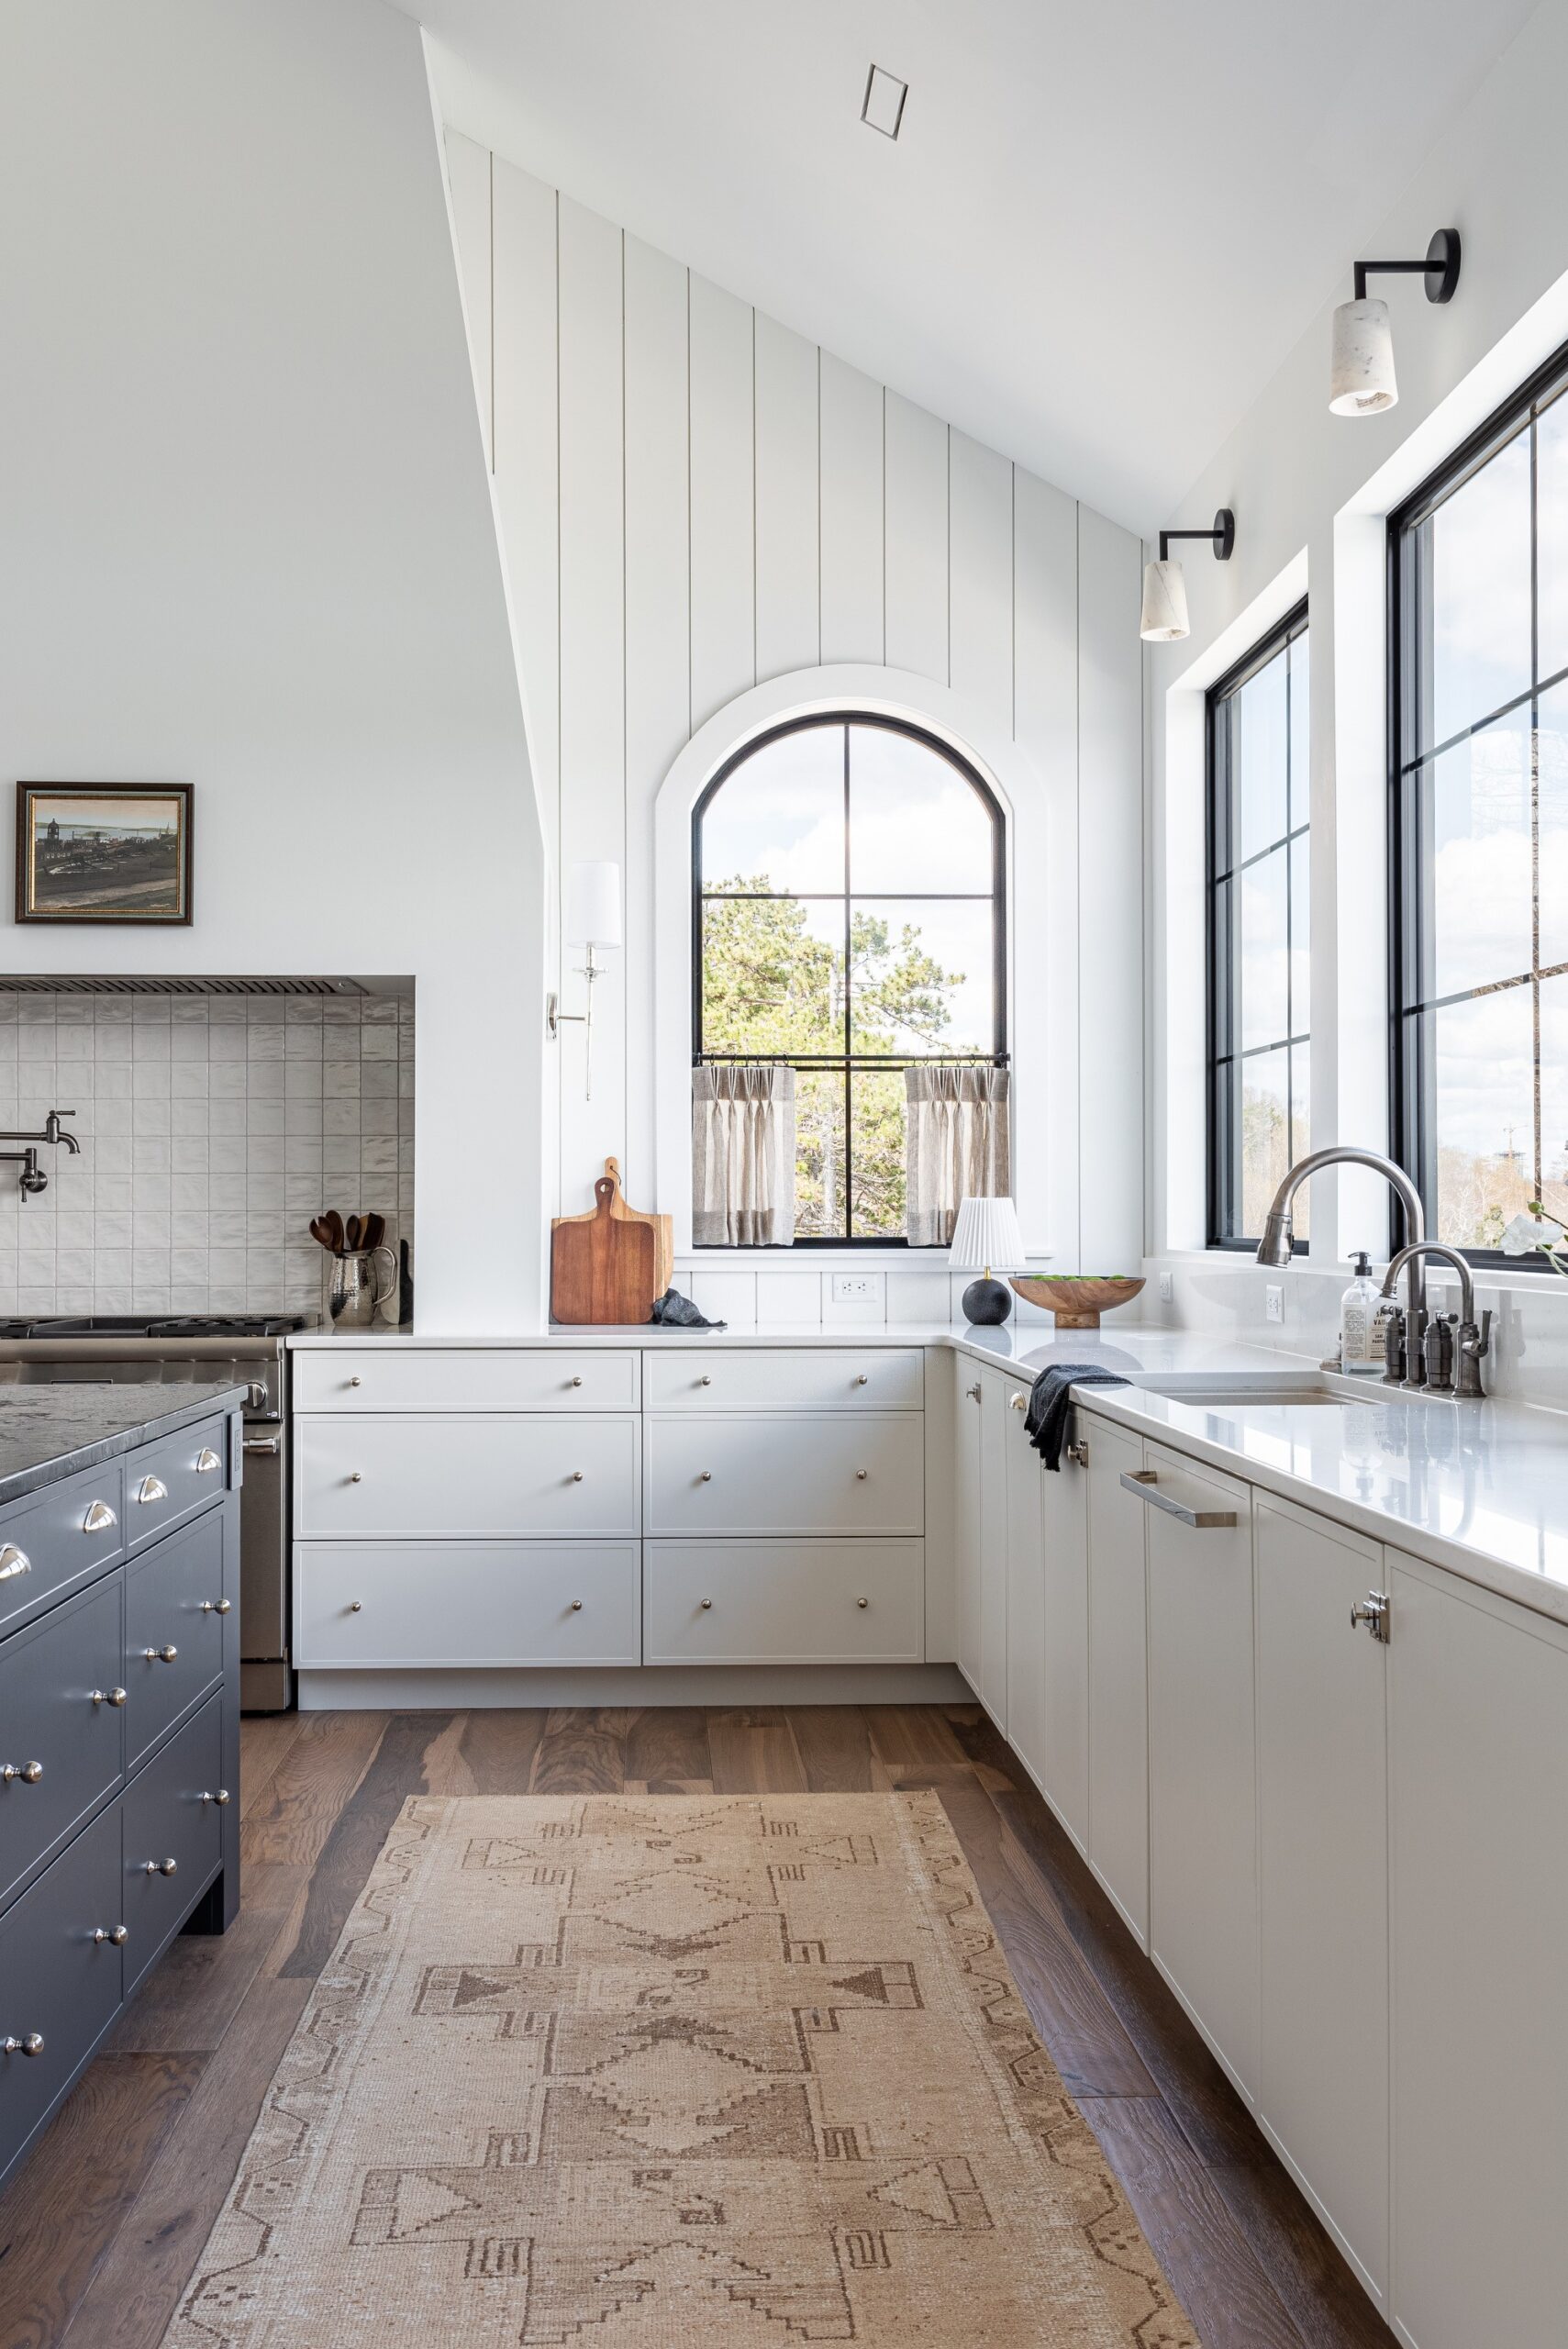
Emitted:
<point x="212" y="1128"/>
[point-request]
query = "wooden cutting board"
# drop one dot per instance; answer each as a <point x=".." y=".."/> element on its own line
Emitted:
<point x="663" y="1228"/>
<point x="602" y="1267"/>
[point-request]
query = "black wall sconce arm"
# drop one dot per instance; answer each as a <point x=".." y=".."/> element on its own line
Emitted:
<point x="1440" y="268"/>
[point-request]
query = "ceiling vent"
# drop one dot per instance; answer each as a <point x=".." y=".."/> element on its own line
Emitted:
<point x="882" y="105"/>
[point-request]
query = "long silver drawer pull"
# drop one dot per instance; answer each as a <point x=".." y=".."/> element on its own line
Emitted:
<point x="206" y="1461"/>
<point x="29" y="1772"/>
<point x="160" y="1655"/>
<point x="217" y="1605"/>
<point x="1142" y="1482"/>
<point x="99" y="1517"/>
<point x="29" y="2043"/>
<point x="117" y="1935"/>
<point x="152" y="1488"/>
<point x="14" y="1562"/>
<point x="220" y="1797"/>
<point x="107" y="1695"/>
<point x="160" y="1868"/>
<point x="253" y="1443"/>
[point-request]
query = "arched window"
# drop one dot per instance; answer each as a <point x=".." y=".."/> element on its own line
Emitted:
<point x="848" y="910"/>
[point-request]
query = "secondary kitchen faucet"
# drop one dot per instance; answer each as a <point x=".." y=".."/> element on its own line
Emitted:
<point x="1436" y="1354"/>
<point x="32" y="1178"/>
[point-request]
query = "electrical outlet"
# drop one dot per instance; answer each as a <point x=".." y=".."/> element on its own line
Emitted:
<point x="1274" y="1303"/>
<point x="1167" y="1287"/>
<point x="857" y="1288"/>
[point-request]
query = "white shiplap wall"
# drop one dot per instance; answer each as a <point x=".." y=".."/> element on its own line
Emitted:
<point x="693" y="499"/>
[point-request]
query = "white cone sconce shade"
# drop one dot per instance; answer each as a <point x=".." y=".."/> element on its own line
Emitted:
<point x="592" y="915"/>
<point x="1360" y="380"/>
<point x="987" y="1233"/>
<point x="1164" y="618"/>
<point x="1361" y="367"/>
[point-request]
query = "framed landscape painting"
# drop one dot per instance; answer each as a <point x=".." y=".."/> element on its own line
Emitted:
<point x="104" y="851"/>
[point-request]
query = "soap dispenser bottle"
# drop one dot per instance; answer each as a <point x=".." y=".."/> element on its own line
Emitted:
<point x="1361" y="1321"/>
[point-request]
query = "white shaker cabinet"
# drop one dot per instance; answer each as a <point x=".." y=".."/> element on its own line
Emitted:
<point x="1478" y="1835"/>
<point x="968" y="1531"/>
<point x="1063" y="1771"/>
<point x="1323" y="1875"/>
<point x="1203" y="1820"/>
<point x="1118" y="1679"/>
<point x="994" y="1449"/>
<point x="1024" y="1611"/>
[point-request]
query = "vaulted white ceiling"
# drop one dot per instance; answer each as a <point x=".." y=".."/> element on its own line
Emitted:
<point x="1103" y="224"/>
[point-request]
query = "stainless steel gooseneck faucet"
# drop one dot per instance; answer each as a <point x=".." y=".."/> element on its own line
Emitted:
<point x="1422" y="1356"/>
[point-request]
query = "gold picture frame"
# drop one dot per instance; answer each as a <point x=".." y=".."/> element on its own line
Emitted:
<point x="103" y="853"/>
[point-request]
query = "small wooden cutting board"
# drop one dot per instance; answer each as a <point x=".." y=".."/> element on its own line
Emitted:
<point x="603" y="1267"/>
<point x="663" y="1229"/>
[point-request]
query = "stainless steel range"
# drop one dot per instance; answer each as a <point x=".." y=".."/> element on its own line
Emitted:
<point x="193" y="1350"/>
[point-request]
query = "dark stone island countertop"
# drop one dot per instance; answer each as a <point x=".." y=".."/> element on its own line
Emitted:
<point x="50" y="1432"/>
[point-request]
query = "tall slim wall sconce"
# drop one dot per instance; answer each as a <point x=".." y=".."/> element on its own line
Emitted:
<point x="1164" y="588"/>
<point x="591" y="919"/>
<point x="1361" y="372"/>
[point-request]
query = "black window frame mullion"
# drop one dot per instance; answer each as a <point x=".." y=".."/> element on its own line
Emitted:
<point x="1222" y="837"/>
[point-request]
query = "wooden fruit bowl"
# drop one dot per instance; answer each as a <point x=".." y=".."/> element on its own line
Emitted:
<point x="1078" y="1299"/>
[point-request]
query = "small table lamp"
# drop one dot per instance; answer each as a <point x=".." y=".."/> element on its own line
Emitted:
<point x="987" y="1233"/>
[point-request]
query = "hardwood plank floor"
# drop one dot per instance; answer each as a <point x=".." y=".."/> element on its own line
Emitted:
<point x="101" y="2230"/>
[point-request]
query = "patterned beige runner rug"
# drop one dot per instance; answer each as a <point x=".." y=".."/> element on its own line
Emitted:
<point x="645" y="2073"/>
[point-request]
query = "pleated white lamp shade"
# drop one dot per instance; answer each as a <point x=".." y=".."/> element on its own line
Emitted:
<point x="1164" y="603"/>
<point x="987" y="1234"/>
<point x="1361" y="373"/>
<point x="591" y="914"/>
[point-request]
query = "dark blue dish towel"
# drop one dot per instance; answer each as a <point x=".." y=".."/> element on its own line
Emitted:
<point x="1046" y="1421"/>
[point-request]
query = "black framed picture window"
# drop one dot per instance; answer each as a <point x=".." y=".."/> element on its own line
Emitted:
<point x="848" y="918"/>
<point x="1259" y="933"/>
<point x="1479" y="824"/>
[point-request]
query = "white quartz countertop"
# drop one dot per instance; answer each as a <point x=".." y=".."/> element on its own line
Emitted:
<point x="1480" y="1488"/>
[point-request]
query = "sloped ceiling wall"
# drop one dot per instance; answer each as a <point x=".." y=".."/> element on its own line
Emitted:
<point x="247" y="541"/>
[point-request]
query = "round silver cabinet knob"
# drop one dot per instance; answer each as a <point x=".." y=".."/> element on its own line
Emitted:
<point x="863" y="1602"/>
<point x="160" y="1655"/>
<point x="106" y="1696"/>
<point x="707" y="1476"/>
<point x="576" y="1382"/>
<point x="576" y="1607"/>
<point x="220" y="1797"/>
<point x="862" y="1380"/>
<point x="160" y="1868"/>
<point x="29" y="2043"/>
<point x="704" y="1603"/>
<point x="117" y="1935"/>
<point x="705" y="1380"/>
<point x="355" y="1477"/>
<point x="861" y="1476"/>
<point x="355" y="1605"/>
<point x="576" y="1476"/>
<point x="217" y="1605"/>
<point x="29" y="1772"/>
<point x="356" y="1382"/>
<point x="1018" y="1402"/>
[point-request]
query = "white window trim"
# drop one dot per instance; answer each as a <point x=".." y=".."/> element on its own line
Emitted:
<point x="1010" y="774"/>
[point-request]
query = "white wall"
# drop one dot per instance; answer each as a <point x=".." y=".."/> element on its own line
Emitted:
<point x="248" y="542"/>
<point x="695" y="501"/>
<point x="1311" y="493"/>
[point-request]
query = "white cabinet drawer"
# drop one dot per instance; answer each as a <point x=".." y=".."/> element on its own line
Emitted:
<point x="855" y="1473"/>
<point x="394" y="1376"/>
<point x="819" y="1378"/>
<point x="361" y="1603"/>
<point x="418" y="1476"/>
<point x="784" y="1602"/>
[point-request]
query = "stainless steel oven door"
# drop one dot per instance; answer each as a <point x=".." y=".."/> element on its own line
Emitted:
<point x="263" y="1566"/>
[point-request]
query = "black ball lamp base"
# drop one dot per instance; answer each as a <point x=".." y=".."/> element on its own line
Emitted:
<point x="987" y="1303"/>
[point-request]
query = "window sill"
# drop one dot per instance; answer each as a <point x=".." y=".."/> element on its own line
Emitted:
<point x="829" y="1260"/>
